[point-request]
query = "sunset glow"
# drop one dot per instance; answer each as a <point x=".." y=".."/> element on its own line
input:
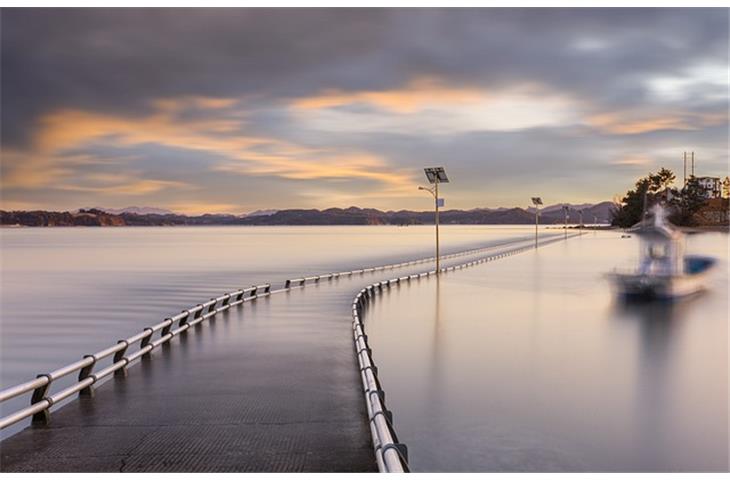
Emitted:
<point x="355" y="124"/>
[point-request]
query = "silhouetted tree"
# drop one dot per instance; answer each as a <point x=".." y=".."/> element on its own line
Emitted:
<point x="686" y="204"/>
<point x="631" y="207"/>
<point x="661" y="180"/>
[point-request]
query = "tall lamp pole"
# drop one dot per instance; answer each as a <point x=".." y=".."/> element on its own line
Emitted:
<point x="537" y="201"/>
<point x="436" y="175"/>
<point x="565" y="214"/>
<point x="580" y="221"/>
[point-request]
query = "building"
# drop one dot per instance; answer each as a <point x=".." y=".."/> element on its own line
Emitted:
<point x="711" y="186"/>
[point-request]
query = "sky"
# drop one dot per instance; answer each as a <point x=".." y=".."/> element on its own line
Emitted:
<point x="235" y="110"/>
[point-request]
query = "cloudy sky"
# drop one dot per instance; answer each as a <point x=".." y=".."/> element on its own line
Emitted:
<point x="237" y="110"/>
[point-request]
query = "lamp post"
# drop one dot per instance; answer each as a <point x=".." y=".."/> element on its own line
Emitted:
<point x="565" y="214"/>
<point x="580" y="221"/>
<point x="537" y="201"/>
<point x="436" y="175"/>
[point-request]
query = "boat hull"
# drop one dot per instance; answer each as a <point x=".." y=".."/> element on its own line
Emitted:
<point x="645" y="286"/>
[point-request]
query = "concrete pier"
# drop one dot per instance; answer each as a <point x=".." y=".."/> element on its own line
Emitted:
<point x="272" y="385"/>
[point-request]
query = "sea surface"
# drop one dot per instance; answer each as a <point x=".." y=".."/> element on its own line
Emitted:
<point x="525" y="363"/>
<point x="531" y="364"/>
<point x="69" y="291"/>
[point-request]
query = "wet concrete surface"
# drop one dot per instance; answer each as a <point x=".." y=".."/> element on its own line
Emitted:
<point x="272" y="385"/>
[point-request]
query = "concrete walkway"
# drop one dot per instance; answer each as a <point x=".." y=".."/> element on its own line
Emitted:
<point x="269" y="386"/>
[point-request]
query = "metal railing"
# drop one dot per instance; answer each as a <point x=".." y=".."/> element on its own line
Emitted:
<point x="390" y="454"/>
<point x="122" y="355"/>
<point x="302" y="281"/>
<point x="42" y="400"/>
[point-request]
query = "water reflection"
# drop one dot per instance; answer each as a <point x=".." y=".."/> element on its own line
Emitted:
<point x="530" y="364"/>
<point x="658" y="325"/>
<point x="435" y="390"/>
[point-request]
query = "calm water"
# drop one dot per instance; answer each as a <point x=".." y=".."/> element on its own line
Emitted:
<point x="529" y="363"/>
<point x="69" y="291"/>
<point x="526" y="363"/>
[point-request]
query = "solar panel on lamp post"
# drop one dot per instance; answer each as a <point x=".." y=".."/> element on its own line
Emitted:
<point x="537" y="201"/>
<point x="435" y="175"/>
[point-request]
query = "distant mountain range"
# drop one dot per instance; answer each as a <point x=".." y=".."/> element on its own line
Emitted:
<point x="148" y="216"/>
<point x="135" y="210"/>
<point x="161" y="211"/>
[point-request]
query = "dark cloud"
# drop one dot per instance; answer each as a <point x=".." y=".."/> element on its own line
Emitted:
<point x="120" y="60"/>
<point x="639" y="64"/>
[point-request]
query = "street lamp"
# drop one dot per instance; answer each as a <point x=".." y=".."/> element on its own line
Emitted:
<point x="537" y="201"/>
<point x="580" y="220"/>
<point x="565" y="214"/>
<point x="436" y="175"/>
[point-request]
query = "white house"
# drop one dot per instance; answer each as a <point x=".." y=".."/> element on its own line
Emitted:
<point x="711" y="186"/>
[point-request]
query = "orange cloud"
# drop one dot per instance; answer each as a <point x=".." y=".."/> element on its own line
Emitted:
<point x="47" y="162"/>
<point x="318" y="164"/>
<point x="621" y="125"/>
<point x="202" y="208"/>
<point x="413" y="97"/>
<point x="127" y="187"/>
<point x="632" y="161"/>
<point x="195" y="102"/>
<point x="631" y="123"/>
<point x="65" y="129"/>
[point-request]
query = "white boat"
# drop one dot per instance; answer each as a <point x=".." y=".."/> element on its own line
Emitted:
<point x="664" y="271"/>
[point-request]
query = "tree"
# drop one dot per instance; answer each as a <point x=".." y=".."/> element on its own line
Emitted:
<point x="662" y="180"/>
<point x="631" y="208"/>
<point x="690" y="201"/>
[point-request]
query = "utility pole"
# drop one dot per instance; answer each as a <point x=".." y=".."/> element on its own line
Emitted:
<point x="693" y="164"/>
<point x="580" y="221"/>
<point x="685" y="169"/>
<point x="436" y="175"/>
<point x="537" y="201"/>
<point x="438" y="251"/>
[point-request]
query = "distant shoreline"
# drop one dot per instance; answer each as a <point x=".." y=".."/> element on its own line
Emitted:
<point x="552" y="215"/>
<point x="548" y="227"/>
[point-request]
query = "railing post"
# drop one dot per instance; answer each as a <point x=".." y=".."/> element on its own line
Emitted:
<point x="39" y="394"/>
<point x="84" y="373"/>
<point x="166" y="329"/>
<point x="146" y="341"/>
<point x="287" y="284"/>
<point x="267" y="289"/>
<point x="254" y="291"/>
<point x="122" y="372"/>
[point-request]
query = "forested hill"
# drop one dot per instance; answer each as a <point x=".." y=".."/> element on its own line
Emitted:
<point x="330" y="216"/>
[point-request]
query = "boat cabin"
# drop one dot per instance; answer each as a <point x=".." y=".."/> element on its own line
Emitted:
<point x="661" y="245"/>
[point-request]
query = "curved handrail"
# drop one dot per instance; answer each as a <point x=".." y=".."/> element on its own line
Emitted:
<point x="391" y="455"/>
<point x="303" y="280"/>
<point x="41" y="401"/>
